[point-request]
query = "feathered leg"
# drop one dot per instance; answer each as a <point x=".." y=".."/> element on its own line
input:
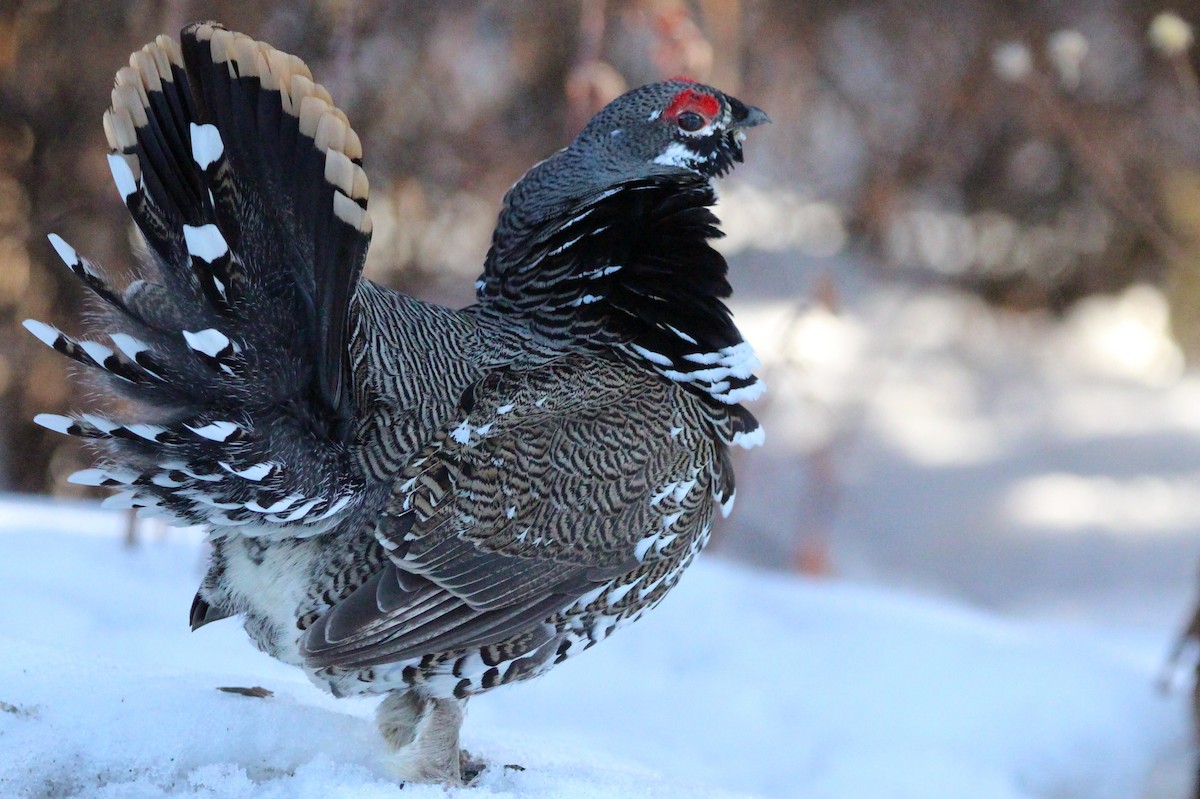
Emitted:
<point x="423" y="734"/>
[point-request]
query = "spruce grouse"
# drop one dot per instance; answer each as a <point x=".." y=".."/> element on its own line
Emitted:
<point x="405" y="499"/>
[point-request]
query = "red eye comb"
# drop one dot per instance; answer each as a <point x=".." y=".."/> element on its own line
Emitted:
<point x="701" y="103"/>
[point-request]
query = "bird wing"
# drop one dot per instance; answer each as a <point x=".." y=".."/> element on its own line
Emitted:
<point x="551" y="482"/>
<point x="231" y="349"/>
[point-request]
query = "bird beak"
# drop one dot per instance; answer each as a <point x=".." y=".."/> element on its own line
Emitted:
<point x="746" y="116"/>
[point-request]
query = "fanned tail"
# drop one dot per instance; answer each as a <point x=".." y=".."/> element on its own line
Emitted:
<point x="246" y="184"/>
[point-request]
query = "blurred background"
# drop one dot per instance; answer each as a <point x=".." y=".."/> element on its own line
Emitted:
<point x="967" y="250"/>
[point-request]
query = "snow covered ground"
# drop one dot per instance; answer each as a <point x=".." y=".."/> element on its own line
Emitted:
<point x="742" y="683"/>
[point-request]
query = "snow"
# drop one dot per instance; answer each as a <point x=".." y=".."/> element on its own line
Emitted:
<point x="1024" y="463"/>
<point x="741" y="684"/>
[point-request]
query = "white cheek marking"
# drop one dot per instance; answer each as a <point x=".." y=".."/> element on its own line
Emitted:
<point x="678" y="155"/>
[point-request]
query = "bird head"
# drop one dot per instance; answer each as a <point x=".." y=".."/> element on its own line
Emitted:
<point x="677" y="123"/>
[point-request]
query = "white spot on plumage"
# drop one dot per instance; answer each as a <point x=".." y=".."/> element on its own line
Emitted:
<point x="220" y="287"/>
<point x="643" y="546"/>
<point x="727" y="505"/>
<point x="254" y="473"/>
<point x="122" y="175"/>
<point x="682" y="335"/>
<point x="675" y="431"/>
<point x="618" y="593"/>
<point x="276" y="506"/>
<point x="563" y="247"/>
<point x="207" y="146"/>
<point x="100" y="477"/>
<point x="754" y="438"/>
<point x="705" y="358"/>
<point x="215" y="431"/>
<point x="662" y="494"/>
<point x="586" y="299"/>
<point x="511" y="512"/>
<point x="462" y="433"/>
<point x="602" y="627"/>
<point x="165" y="480"/>
<point x="88" y="477"/>
<point x="650" y="355"/>
<point x="740" y="358"/>
<point x="335" y="507"/>
<point x="123" y="500"/>
<point x="205" y="242"/>
<point x="664" y="541"/>
<point x="683" y="488"/>
<point x="129" y="345"/>
<point x="744" y="394"/>
<point x="648" y="589"/>
<point x="65" y="251"/>
<point x="96" y="351"/>
<point x="670" y="519"/>
<point x="603" y="272"/>
<point x="484" y="429"/>
<point x="590" y="596"/>
<point x="47" y="334"/>
<point x="100" y="423"/>
<point x="180" y="466"/>
<point x="503" y="409"/>
<point x="579" y="217"/>
<point x="150" y="432"/>
<point x="298" y="513"/>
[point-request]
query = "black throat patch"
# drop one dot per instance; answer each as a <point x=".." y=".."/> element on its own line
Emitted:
<point x="630" y="268"/>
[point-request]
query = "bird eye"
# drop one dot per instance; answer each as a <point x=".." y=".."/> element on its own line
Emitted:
<point x="690" y="121"/>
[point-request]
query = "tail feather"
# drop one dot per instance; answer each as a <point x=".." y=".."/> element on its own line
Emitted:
<point x="246" y="184"/>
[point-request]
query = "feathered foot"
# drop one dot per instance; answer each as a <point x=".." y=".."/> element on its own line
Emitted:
<point x="423" y="735"/>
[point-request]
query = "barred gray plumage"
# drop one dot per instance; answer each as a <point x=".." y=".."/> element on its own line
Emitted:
<point x="405" y="499"/>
